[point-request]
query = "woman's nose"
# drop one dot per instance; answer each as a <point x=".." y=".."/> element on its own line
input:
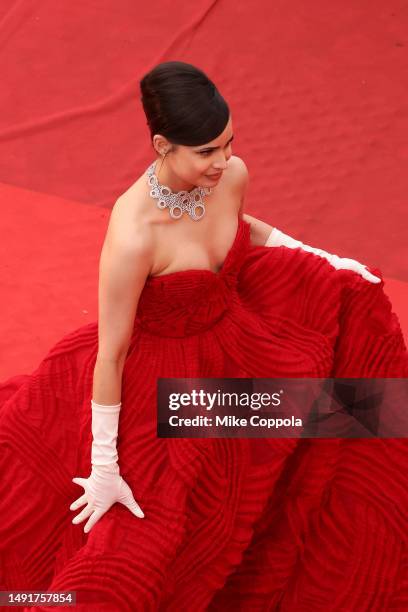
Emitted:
<point x="223" y="163"/>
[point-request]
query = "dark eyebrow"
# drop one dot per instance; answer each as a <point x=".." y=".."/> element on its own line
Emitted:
<point x="213" y="148"/>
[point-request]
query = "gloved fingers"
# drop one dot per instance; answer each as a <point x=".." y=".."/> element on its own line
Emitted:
<point x="278" y="238"/>
<point x="370" y="277"/>
<point x="96" y="515"/>
<point x="356" y="266"/>
<point x="80" y="481"/>
<point x="133" y="506"/>
<point x="350" y="264"/>
<point x="79" y="502"/>
<point x="126" y="498"/>
<point x="87" y="511"/>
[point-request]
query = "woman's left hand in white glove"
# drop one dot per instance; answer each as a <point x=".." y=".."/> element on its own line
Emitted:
<point x="278" y="238"/>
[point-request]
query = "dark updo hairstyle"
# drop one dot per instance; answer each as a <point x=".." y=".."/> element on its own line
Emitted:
<point x="182" y="104"/>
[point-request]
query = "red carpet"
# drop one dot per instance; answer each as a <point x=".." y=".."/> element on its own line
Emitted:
<point x="318" y="99"/>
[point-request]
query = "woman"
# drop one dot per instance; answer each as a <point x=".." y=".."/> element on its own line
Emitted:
<point x="226" y="523"/>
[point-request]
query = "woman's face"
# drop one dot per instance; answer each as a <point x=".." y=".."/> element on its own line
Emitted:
<point x="208" y="162"/>
<point x="199" y="165"/>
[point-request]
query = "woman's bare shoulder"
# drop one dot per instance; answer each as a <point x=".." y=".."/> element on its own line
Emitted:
<point x="130" y="223"/>
<point x="238" y="171"/>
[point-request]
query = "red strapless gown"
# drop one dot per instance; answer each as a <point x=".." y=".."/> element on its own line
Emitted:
<point x="230" y="524"/>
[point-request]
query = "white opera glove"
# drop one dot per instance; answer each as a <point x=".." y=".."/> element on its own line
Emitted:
<point x="278" y="238"/>
<point x="104" y="486"/>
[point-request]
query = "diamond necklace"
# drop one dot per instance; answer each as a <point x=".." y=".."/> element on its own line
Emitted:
<point x="180" y="202"/>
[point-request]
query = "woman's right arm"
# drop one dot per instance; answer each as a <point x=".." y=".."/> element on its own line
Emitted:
<point x="125" y="263"/>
